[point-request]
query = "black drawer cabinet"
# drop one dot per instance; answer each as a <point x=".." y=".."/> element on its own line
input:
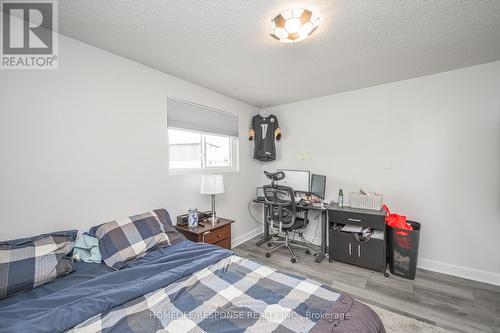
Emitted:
<point x="346" y="248"/>
<point x="342" y="247"/>
<point x="351" y="217"/>
<point x="371" y="254"/>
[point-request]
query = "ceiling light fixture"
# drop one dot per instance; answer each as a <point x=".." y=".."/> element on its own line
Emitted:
<point x="294" y="25"/>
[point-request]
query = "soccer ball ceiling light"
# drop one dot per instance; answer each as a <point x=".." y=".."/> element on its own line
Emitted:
<point x="294" y="25"/>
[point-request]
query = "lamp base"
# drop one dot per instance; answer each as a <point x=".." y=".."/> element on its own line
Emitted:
<point x="214" y="219"/>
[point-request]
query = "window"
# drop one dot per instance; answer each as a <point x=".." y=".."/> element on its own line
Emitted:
<point x="195" y="151"/>
<point x="201" y="138"/>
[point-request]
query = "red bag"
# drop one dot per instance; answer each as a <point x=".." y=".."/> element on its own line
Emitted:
<point x="396" y="221"/>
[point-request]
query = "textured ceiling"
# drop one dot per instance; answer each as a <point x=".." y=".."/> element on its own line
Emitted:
<point x="224" y="45"/>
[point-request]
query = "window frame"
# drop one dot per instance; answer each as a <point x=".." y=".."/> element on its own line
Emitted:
<point x="204" y="169"/>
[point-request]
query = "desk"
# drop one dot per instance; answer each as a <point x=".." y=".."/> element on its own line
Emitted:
<point x="323" y="222"/>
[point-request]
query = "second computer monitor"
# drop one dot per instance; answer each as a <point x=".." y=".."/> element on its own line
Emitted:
<point x="296" y="179"/>
<point x="318" y="185"/>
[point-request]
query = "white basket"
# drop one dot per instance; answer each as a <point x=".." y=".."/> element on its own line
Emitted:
<point x="369" y="200"/>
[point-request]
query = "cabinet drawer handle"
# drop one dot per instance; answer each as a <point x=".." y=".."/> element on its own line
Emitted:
<point x="219" y="236"/>
<point x="353" y="220"/>
<point x="359" y="250"/>
<point x="350" y="248"/>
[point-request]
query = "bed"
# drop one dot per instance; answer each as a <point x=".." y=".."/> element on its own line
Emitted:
<point x="186" y="287"/>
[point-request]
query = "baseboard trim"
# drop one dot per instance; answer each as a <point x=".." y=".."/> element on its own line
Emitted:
<point x="246" y="236"/>
<point x="460" y="271"/>
<point x="428" y="264"/>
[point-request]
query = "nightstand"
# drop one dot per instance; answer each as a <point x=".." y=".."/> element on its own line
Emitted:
<point x="219" y="234"/>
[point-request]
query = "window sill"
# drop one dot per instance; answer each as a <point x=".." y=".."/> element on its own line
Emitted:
<point x="176" y="172"/>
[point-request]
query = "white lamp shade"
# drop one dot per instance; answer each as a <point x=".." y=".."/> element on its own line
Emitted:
<point x="212" y="184"/>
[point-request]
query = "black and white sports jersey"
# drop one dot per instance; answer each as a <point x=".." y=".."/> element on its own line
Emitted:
<point x="264" y="130"/>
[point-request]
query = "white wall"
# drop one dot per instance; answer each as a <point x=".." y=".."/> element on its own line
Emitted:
<point x="87" y="143"/>
<point x="441" y="133"/>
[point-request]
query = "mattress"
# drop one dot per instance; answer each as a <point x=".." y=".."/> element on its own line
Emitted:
<point x="186" y="287"/>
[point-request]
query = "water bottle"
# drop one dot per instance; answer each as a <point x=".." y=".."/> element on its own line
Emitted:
<point x="341" y="198"/>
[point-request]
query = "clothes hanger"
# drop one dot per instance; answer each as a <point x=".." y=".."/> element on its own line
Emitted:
<point x="263" y="112"/>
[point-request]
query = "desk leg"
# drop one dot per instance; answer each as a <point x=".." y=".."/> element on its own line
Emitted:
<point x="266" y="237"/>
<point x="322" y="254"/>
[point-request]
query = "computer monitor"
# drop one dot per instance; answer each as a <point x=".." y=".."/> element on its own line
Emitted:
<point x="318" y="185"/>
<point x="296" y="179"/>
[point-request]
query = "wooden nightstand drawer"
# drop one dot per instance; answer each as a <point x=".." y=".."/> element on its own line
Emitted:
<point x="217" y="235"/>
<point x="225" y="243"/>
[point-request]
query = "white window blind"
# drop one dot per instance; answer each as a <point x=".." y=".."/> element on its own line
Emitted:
<point x="196" y="117"/>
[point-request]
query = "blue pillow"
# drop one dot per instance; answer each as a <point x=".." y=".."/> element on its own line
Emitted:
<point x="87" y="249"/>
<point x="27" y="263"/>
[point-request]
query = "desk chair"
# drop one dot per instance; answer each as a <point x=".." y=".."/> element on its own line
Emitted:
<point x="282" y="214"/>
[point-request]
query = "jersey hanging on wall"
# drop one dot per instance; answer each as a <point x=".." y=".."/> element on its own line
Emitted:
<point x="264" y="130"/>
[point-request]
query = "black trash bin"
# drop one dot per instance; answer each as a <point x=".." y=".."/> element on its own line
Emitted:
<point x="403" y="250"/>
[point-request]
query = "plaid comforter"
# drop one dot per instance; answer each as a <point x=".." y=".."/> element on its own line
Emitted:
<point x="238" y="295"/>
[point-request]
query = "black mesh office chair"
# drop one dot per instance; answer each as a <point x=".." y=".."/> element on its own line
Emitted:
<point x="282" y="213"/>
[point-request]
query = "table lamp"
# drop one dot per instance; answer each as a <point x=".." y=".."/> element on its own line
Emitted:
<point x="212" y="184"/>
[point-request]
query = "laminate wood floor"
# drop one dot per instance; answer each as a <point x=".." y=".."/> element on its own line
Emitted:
<point x="450" y="302"/>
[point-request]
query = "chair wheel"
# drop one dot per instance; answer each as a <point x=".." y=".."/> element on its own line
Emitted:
<point x="293" y="260"/>
<point x="308" y="252"/>
<point x="269" y="244"/>
<point x="386" y="274"/>
<point x="268" y="254"/>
